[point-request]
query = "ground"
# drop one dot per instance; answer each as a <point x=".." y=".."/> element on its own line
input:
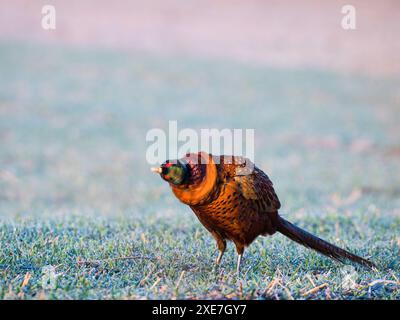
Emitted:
<point x="77" y="197"/>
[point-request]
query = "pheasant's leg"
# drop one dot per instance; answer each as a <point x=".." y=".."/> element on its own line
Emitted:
<point x="221" y="247"/>
<point x="219" y="258"/>
<point x="221" y="244"/>
<point x="240" y="250"/>
<point x="239" y="260"/>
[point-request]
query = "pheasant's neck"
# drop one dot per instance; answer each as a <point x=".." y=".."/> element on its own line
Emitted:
<point x="201" y="184"/>
<point x="197" y="174"/>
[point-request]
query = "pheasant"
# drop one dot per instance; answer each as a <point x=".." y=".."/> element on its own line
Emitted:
<point x="236" y="201"/>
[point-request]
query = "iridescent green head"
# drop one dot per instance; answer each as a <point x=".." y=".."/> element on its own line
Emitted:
<point x="176" y="173"/>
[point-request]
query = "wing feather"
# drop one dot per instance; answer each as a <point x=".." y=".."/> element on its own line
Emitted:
<point x="252" y="183"/>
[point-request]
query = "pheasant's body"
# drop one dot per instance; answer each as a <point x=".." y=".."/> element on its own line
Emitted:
<point x="236" y="201"/>
<point x="236" y="210"/>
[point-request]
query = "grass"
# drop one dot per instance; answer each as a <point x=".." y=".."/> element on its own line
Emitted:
<point x="119" y="258"/>
<point x="76" y="195"/>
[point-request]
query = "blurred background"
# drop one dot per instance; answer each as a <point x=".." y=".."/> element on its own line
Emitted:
<point x="76" y="102"/>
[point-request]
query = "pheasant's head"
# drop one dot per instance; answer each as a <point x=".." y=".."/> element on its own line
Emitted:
<point x="176" y="173"/>
<point x="191" y="178"/>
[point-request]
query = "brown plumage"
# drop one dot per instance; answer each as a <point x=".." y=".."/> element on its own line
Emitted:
<point x="236" y="201"/>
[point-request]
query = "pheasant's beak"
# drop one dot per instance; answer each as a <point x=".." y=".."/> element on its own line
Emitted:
<point x="156" y="170"/>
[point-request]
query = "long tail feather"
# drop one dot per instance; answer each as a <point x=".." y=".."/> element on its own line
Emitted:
<point x="309" y="240"/>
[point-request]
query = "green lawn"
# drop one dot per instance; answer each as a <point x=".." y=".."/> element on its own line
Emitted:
<point x="77" y="196"/>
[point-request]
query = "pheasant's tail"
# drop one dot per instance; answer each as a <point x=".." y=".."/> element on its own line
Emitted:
<point x="309" y="240"/>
